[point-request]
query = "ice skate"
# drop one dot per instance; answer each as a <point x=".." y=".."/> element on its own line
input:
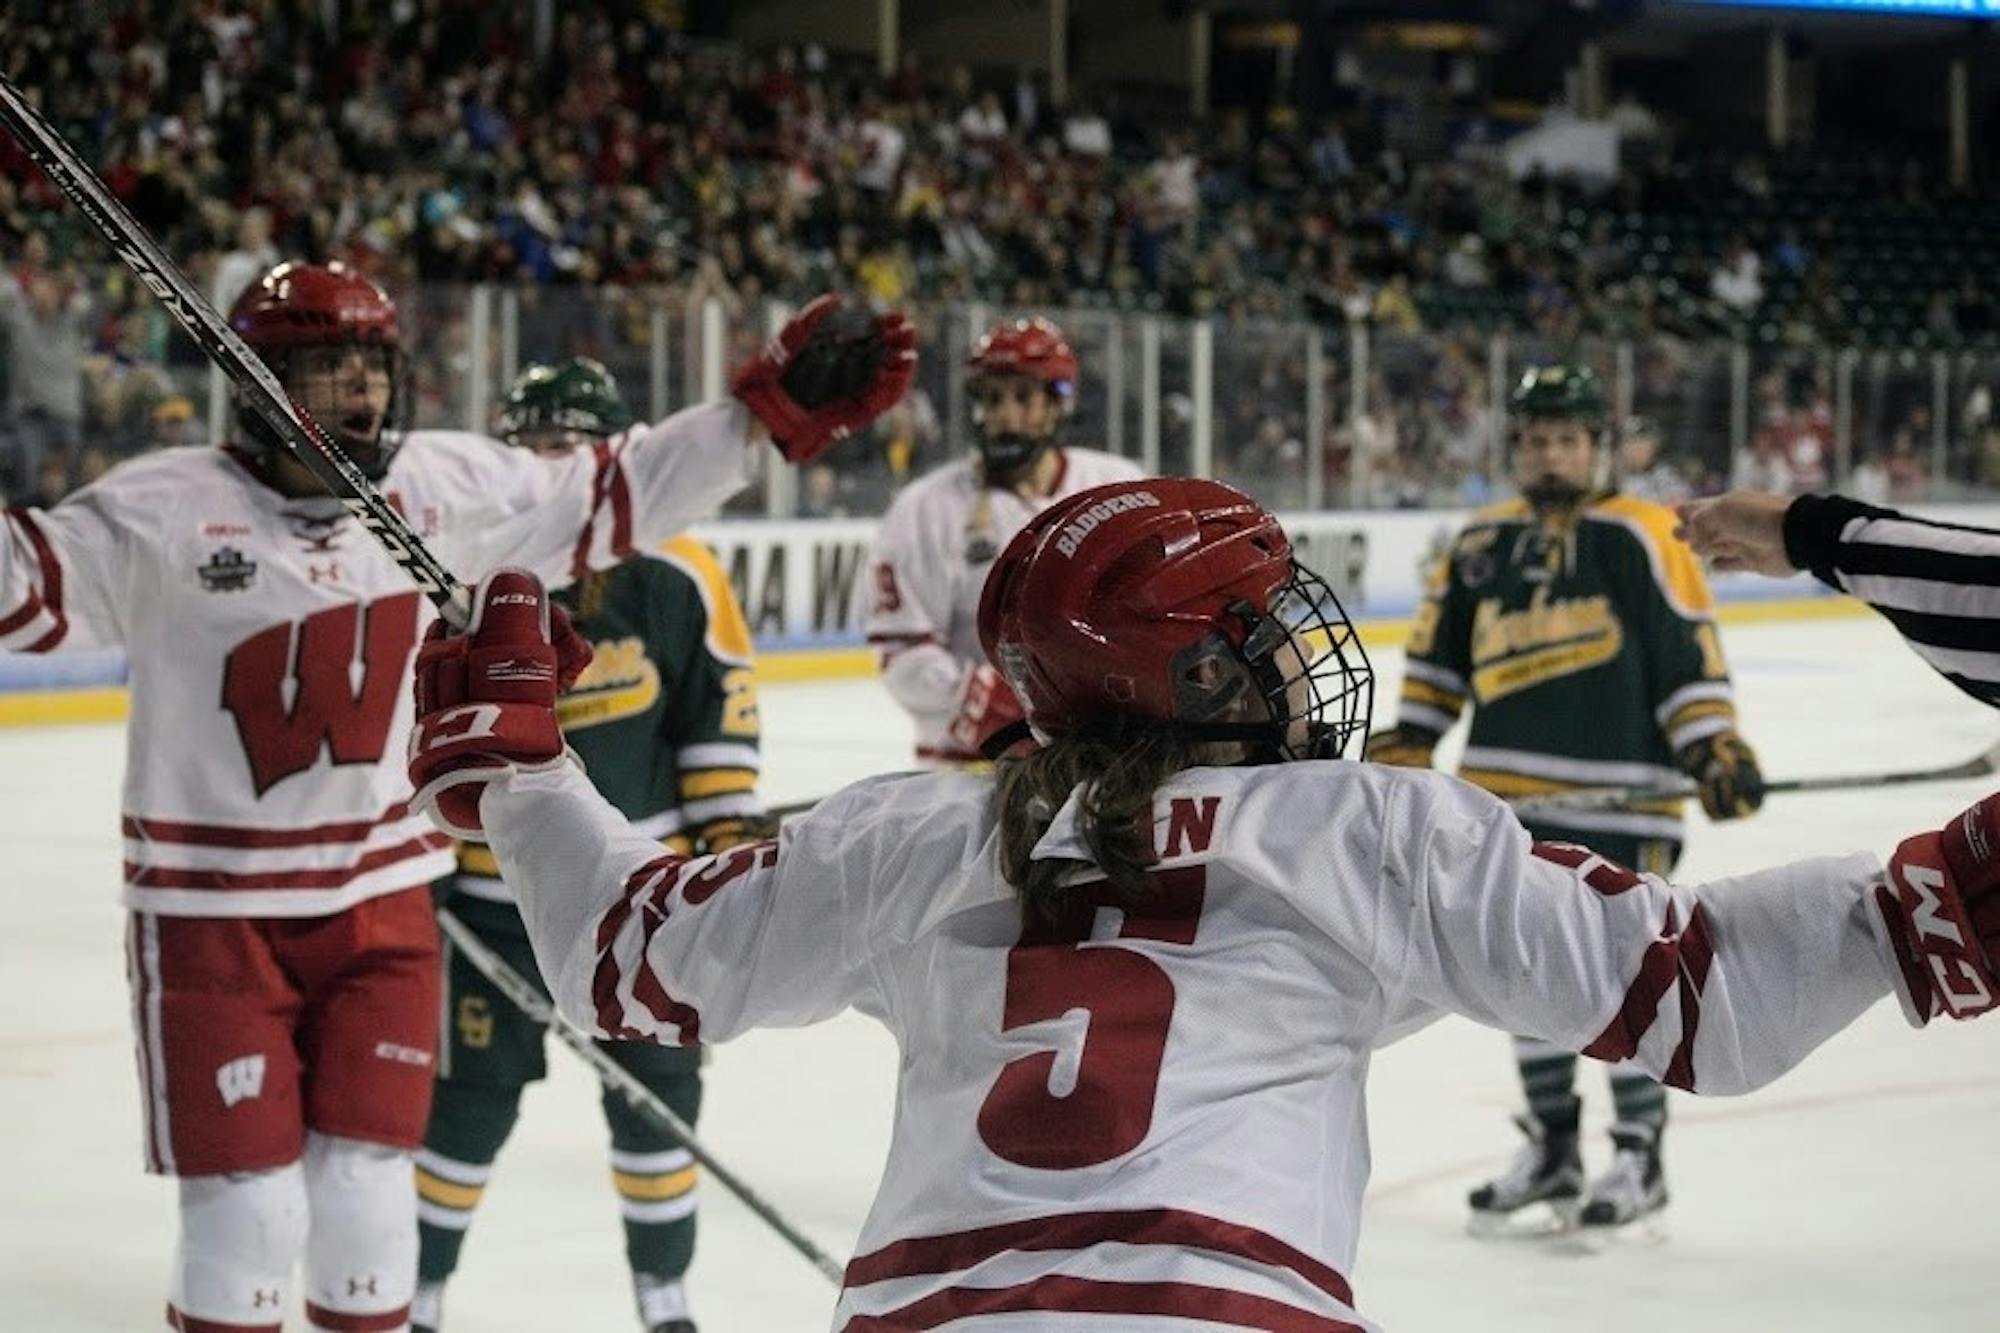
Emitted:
<point x="663" y="1306"/>
<point x="427" y="1308"/>
<point x="1537" y="1192"/>
<point x="1629" y="1198"/>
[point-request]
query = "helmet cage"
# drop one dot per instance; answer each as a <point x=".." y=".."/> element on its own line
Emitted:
<point x="1304" y="644"/>
<point x="259" y="439"/>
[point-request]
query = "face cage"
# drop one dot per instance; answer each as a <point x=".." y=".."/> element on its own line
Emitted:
<point x="1305" y="645"/>
<point x="263" y="440"/>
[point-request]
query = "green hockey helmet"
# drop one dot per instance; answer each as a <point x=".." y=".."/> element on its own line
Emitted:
<point x="578" y="396"/>
<point x="1561" y="392"/>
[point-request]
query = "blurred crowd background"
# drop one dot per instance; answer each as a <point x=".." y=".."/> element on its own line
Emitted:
<point x="1320" y="296"/>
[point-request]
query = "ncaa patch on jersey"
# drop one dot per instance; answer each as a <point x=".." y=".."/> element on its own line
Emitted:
<point x="227" y="570"/>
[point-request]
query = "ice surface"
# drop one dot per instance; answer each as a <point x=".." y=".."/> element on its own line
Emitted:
<point x="1851" y="1196"/>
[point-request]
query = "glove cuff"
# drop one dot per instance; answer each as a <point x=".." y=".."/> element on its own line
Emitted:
<point x="454" y="810"/>
<point x="756" y="386"/>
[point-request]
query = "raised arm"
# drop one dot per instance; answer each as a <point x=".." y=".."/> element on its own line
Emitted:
<point x="637" y="942"/>
<point x="830" y="371"/>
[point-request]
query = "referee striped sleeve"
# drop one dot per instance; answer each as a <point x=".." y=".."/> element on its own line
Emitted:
<point x="1937" y="583"/>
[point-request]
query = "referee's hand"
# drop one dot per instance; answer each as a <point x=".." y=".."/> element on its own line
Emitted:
<point x="1740" y="531"/>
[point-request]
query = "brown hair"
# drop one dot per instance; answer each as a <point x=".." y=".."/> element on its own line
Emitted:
<point x="1118" y="775"/>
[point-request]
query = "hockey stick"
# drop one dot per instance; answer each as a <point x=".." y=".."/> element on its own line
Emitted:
<point x="252" y="378"/>
<point x="1980" y="765"/>
<point x="524" y="994"/>
<point x="791" y="809"/>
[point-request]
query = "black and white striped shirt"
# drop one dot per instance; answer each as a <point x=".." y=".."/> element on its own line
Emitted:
<point x="1938" y="583"/>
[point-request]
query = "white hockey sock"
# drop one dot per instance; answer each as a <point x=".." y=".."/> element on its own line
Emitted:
<point x="361" y="1252"/>
<point x="239" y="1237"/>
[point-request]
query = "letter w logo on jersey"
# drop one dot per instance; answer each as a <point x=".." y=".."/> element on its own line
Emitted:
<point x="240" y="1079"/>
<point x="329" y="683"/>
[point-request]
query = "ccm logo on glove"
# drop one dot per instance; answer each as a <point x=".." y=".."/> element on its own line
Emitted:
<point x="469" y="722"/>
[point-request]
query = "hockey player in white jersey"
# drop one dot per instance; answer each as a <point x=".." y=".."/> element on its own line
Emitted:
<point x="282" y="955"/>
<point x="942" y="532"/>
<point x="1136" y="974"/>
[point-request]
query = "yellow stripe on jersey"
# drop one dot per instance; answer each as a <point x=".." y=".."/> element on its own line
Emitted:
<point x="716" y="782"/>
<point x="1513" y="786"/>
<point x="1499" y="510"/>
<point x="721" y="834"/>
<point x="680" y="844"/>
<point x="728" y="635"/>
<point x="650" y="1189"/>
<point x="476" y="858"/>
<point x="1524" y="671"/>
<point x="1676" y="567"/>
<point x="1694" y="712"/>
<point x="447" y="1193"/>
<point x="1423" y="692"/>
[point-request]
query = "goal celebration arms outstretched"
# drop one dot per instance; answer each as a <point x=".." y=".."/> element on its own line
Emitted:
<point x="246" y="370"/>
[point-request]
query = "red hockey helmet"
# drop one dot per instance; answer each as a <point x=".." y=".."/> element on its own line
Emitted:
<point x="313" y="305"/>
<point x="1171" y="600"/>
<point x="297" y="306"/>
<point x="1035" y="348"/>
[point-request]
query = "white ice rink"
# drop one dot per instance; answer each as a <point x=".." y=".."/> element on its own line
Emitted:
<point x="1858" y="1194"/>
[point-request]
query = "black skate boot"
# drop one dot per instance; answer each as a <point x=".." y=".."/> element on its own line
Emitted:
<point x="1634" y="1187"/>
<point x="1547" y="1170"/>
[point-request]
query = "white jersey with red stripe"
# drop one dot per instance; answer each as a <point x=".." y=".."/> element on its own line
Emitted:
<point x="1159" y="1112"/>
<point x="270" y="640"/>
<point x="929" y="564"/>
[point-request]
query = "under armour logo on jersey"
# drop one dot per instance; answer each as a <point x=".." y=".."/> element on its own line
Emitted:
<point x="357" y="1286"/>
<point x="240" y="1079"/>
<point x="321" y="533"/>
<point x="262" y="1297"/>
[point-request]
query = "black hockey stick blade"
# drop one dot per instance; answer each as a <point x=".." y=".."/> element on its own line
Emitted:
<point x="620" y="1080"/>
<point x="245" y="369"/>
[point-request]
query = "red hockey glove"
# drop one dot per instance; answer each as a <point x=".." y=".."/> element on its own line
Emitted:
<point x="1726" y="775"/>
<point x="830" y="371"/>
<point x="1942" y="908"/>
<point x="486" y="698"/>
<point x="986" y="705"/>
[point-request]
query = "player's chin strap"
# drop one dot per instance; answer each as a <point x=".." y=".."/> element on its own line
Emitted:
<point x="997" y="746"/>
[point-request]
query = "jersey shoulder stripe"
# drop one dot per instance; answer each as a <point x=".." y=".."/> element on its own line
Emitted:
<point x="727" y="634"/>
<point x="1514" y="509"/>
<point x="1675" y="567"/>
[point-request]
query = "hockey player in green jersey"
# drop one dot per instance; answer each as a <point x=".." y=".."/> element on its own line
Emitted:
<point x="1583" y="638"/>
<point x="665" y="718"/>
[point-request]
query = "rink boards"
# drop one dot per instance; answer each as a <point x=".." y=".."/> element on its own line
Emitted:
<point x="803" y="586"/>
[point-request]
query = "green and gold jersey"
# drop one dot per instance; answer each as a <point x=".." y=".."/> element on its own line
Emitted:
<point x="1587" y="648"/>
<point x="665" y="715"/>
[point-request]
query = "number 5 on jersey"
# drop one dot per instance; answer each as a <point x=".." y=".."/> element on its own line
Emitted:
<point x="1128" y="1001"/>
